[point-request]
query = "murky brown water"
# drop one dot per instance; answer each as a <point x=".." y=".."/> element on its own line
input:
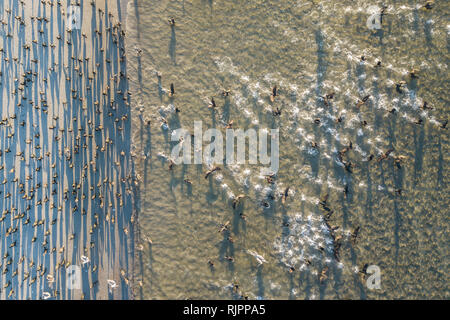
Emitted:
<point x="308" y="49"/>
<point x="66" y="197"/>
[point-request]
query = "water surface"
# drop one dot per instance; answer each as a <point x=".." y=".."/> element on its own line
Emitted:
<point x="307" y="49"/>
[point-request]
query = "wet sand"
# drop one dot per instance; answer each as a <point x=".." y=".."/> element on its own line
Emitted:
<point x="67" y="176"/>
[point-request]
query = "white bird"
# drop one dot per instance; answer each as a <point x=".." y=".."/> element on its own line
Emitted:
<point x="50" y="278"/>
<point x="112" y="284"/>
<point x="84" y="260"/>
<point x="258" y="257"/>
<point x="46" y="295"/>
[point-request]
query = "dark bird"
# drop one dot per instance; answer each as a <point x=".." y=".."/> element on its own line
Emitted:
<point x="362" y="102"/>
<point x="274" y="94"/>
<point x="172" y="90"/>
<point x="209" y="172"/>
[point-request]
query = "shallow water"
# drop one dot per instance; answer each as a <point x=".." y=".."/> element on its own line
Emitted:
<point x="308" y="49"/>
